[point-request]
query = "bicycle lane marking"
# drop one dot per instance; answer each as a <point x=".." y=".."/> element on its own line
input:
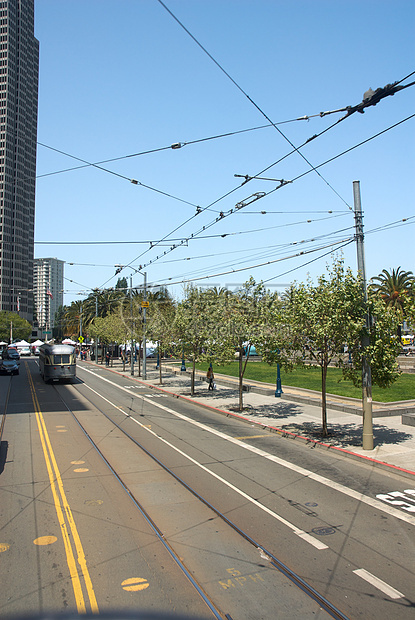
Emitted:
<point x="63" y="510"/>
<point x="361" y="497"/>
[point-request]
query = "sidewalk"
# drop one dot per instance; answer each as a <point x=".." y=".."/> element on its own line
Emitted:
<point x="297" y="414"/>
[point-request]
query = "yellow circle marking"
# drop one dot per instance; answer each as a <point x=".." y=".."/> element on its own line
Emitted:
<point x="45" y="540"/>
<point x="4" y="547"/>
<point x="135" y="584"/>
<point x="77" y="462"/>
<point x="81" y="470"/>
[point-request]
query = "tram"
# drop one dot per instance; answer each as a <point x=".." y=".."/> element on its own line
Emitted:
<point x="57" y="362"/>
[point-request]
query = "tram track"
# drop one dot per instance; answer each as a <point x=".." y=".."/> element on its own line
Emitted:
<point x="274" y="561"/>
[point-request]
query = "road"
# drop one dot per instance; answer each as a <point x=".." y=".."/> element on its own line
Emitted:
<point x="115" y="496"/>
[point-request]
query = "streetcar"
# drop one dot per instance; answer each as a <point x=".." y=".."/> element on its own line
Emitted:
<point x="57" y="362"/>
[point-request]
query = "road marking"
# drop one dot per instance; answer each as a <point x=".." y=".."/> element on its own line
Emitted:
<point x="395" y="499"/>
<point x="45" y="540"/>
<point x="4" y="547"/>
<point x="135" y="584"/>
<point x="378" y="583"/>
<point x="64" y="510"/>
<point x="361" y="497"/>
<point x="299" y="532"/>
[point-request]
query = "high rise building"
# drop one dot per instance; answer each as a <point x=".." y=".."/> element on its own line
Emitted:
<point x="19" y="69"/>
<point x="48" y="290"/>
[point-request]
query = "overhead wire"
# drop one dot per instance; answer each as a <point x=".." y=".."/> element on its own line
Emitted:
<point x="174" y="146"/>
<point x="122" y="176"/>
<point x="297" y="150"/>
<point x="233" y="271"/>
<point x="199" y="238"/>
<point x="155" y="284"/>
<point x="209" y="225"/>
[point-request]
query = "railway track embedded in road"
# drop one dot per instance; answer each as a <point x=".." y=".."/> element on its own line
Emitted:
<point x="274" y="561"/>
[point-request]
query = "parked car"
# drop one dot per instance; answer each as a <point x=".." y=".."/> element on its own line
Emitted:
<point x="24" y="351"/>
<point x="9" y="367"/>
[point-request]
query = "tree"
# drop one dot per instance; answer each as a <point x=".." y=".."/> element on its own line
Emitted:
<point x="160" y="323"/>
<point x="239" y="324"/>
<point x="395" y="288"/>
<point x="13" y="327"/>
<point x="193" y="326"/>
<point x="325" y="318"/>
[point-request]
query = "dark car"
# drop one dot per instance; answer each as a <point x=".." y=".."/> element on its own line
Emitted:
<point x="9" y="367"/>
<point x="11" y="354"/>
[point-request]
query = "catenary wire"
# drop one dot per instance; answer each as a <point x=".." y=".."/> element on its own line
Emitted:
<point x="250" y="99"/>
<point x="270" y="192"/>
<point x="177" y="145"/>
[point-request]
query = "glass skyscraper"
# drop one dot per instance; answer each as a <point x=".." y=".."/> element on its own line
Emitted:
<point x="19" y="70"/>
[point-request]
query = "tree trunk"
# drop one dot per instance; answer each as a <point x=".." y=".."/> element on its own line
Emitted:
<point x="192" y="389"/>
<point x="241" y="404"/>
<point x="323" y="398"/>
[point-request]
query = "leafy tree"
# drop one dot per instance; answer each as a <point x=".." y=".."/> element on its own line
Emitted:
<point x="193" y="326"/>
<point x="325" y="318"/>
<point x="13" y="323"/>
<point x="160" y="323"/>
<point x="239" y="323"/>
<point x="122" y="284"/>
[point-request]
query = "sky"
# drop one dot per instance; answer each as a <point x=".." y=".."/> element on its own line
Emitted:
<point x="124" y="80"/>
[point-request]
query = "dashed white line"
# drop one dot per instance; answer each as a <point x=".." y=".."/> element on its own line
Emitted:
<point x="378" y="583"/>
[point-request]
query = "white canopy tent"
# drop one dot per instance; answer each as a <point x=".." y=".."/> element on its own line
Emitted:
<point x="20" y="344"/>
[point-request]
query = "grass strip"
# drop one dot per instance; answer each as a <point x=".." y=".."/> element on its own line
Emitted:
<point x="309" y="377"/>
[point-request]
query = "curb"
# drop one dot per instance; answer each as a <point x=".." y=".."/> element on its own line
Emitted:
<point x="285" y="434"/>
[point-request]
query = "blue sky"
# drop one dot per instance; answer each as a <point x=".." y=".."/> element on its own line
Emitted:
<point x="121" y="78"/>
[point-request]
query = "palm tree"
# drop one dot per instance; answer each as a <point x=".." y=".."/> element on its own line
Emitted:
<point x="394" y="287"/>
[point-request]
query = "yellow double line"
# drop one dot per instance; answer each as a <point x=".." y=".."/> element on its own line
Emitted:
<point x="65" y="518"/>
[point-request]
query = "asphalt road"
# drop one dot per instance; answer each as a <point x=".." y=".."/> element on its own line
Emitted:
<point x="320" y="515"/>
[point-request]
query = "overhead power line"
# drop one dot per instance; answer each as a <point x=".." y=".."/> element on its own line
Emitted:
<point x="297" y="150"/>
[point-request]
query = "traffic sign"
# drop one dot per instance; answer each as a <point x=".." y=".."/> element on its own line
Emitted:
<point x="80" y="339"/>
<point x="145" y="304"/>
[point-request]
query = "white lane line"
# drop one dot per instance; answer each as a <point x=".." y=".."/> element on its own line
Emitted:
<point x="304" y="535"/>
<point x="379" y="584"/>
<point x="360" y="497"/>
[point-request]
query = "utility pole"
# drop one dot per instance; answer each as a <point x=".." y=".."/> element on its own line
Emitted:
<point x="366" y="370"/>
<point x="96" y="338"/>
<point x="144" y="328"/>
<point x="132" y="328"/>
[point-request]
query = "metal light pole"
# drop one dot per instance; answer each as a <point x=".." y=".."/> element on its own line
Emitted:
<point x="367" y="440"/>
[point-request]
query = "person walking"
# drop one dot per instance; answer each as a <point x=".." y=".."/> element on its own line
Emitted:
<point x="107" y="358"/>
<point x="210" y="377"/>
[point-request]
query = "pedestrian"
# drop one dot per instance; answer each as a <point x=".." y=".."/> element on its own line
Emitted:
<point x="107" y="358"/>
<point x="210" y="377"/>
